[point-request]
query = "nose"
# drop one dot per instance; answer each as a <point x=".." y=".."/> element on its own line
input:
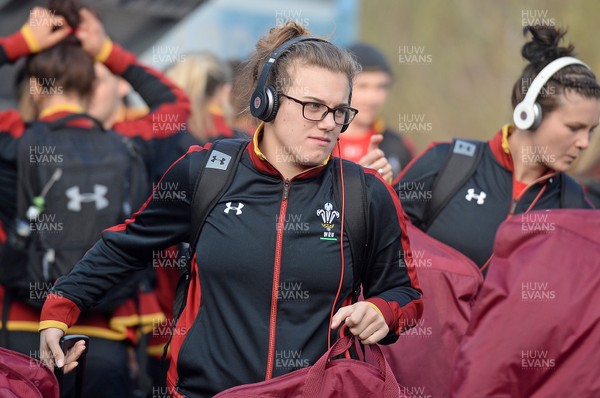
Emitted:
<point x="583" y="140"/>
<point x="328" y="123"/>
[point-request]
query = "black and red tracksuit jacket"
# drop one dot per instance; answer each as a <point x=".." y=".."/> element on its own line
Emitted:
<point x="466" y="223"/>
<point x="265" y="274"/>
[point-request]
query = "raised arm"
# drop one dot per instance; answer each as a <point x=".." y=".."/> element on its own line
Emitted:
<point x="43" y="29"/>
<point x="169" y="105"/>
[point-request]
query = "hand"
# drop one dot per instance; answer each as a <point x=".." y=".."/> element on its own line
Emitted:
<point x="375" y="158"/>
<point x="51" y="354"/>
<point x="363" y="321"/>
<point x="90" y="32"/>
<point x="41" y="24"/>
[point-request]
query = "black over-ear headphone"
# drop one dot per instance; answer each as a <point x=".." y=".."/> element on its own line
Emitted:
<point x="264" y="101"/>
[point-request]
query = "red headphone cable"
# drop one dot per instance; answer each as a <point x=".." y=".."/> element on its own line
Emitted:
<point x="341" y="246"/>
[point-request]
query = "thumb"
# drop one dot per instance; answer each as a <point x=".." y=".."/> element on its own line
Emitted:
<point x="375" y="141"/>
<point x="340" y="316"/>
<point x="85" y="15"/>
<point x="57" y="354"/>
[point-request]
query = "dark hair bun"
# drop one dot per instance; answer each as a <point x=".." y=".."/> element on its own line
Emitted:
<point x="544" y="45"/>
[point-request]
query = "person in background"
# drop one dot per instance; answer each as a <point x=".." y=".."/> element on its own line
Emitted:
<point x="368" y="131"/>
<point x="96" y="98"/>
<point x="520" y="169"/>
<point x="242" y="120"/>
<point x="207" y="81"/>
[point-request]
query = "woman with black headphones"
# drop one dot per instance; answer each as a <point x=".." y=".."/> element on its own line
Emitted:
<point x="273" y="275"/>
<point x="459" y="193"/>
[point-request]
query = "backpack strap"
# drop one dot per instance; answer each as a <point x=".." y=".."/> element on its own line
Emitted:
<point x="60" y="122"/>
<point x="462" y="161"/>
<point x="355" y="216"/>
<point x="215" y="177"/>
<point x="571" y="193"/>
<point x="36" y="133"/>
<point x="217" y="171"/>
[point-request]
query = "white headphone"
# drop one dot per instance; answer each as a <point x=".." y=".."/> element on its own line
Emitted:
<point x="528" y="113"/>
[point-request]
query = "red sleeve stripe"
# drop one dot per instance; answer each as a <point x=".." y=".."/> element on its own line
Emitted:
<point x="388" y="315"/>
<point x="61" y="309"/>
<point x="14" y="46"/>
<point x="119" y="59"/>
<point x="415" y="308"/>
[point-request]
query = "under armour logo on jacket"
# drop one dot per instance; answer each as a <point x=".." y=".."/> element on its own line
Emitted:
<point x="218" y="160"/>
<point x="77" y="198"/>
<point x="471" y="195"/>
<point x="238" y="209"/>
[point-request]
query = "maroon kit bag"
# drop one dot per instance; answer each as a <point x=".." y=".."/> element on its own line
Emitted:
<point x="535" y="329"/>
<point x="329" y="378"/>
<point x="22" y="376"/>
<point x="25" y="377"/>
<point x="423" y="357"/>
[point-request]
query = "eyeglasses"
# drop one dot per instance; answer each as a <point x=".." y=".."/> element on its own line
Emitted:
<point x="315" y="111"/>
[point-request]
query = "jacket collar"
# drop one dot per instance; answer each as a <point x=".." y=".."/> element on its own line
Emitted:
<point x="263" y="165"/>
<point x="500" y="148"/>
<point x="58" y="111"/>
<point x="51" y="112"/>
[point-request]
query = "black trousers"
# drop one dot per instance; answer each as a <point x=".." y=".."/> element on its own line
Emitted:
<point x="107" y="368"/>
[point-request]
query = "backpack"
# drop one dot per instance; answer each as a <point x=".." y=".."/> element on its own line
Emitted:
<point x="460" y="165"/>
<point x="72" y="184"/>
<point x="214" y="179"/>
